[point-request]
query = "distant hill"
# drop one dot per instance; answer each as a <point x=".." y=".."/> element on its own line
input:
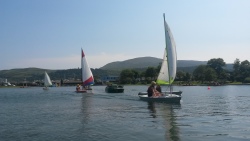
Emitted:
<point x="141" y="62"/>
<point x="31" y="74"/>
<point x="113" y="68"/>
<point x="145" y="62"/>
<point x="24" y="73"/>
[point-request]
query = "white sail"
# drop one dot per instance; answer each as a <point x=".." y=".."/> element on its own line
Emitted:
<point x="47" y="81"/>
<point x="169" y="63"/>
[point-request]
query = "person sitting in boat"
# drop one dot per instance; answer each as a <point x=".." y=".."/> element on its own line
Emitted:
<point x="84" y="87"/>
<point x="151" y="89"/>
<point x="152" y="92"/>
<point x="157" y="91"/>
<point x="158" y="88"/>
<point x="78" y="87"/>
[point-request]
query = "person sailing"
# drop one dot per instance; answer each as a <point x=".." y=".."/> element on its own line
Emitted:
<point x="152" y="92"/>
<point x="84" y="87"/>
<point x="78" y="87"/>
<point x="158" y="88"/>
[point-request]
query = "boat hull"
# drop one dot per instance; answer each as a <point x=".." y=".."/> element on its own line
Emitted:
<point x="171" y="98"/>
<point x="81" y="91"/>
<point x="114" y="90"/>
<point x="46" y="88"/>
<point x="163" y="92"/>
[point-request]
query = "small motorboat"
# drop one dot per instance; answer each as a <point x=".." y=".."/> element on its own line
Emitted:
<point x="114" y="88"/>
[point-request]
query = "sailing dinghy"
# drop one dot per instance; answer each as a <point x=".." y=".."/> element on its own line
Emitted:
<point x="167" y="72"/>
<point x="47" y="81"/>
<point x="87" y="76"/>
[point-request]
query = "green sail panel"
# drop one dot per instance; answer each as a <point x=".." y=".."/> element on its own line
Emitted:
<point x="163" y="82"/>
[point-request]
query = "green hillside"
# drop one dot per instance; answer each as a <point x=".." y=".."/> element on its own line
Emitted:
<point x="32" y="74"/>
<point x="144" y="62"/>
<point x="23" y="73"/>
<point x="141" y="62"/>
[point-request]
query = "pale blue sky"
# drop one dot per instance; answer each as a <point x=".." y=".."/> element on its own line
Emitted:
<point x="49" y="34"/>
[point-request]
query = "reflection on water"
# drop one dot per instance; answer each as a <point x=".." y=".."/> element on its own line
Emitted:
<point x="85" y="108"/>
<point x="151" y="107"/>
<point x="166" y="111"/>
<point x="172" y="130"/>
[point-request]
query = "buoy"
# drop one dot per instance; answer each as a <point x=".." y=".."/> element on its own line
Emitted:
<point x="208" y="88"/>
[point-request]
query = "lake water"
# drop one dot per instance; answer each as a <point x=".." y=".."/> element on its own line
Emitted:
<point x="60" y="114"/>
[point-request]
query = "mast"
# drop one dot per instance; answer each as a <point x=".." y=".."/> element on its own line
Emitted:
<point x="82" y="55"/>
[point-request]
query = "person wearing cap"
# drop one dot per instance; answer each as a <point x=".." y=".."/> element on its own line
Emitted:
<point x="151" y="89"/>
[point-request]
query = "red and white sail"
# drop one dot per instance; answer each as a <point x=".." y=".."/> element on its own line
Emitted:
<point x="87" y="76"/>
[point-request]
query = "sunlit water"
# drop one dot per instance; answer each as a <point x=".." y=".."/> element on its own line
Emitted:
<point x="60" y="114"/>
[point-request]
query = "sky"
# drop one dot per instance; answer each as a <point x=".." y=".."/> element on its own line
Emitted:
<point x="49" y="34"/>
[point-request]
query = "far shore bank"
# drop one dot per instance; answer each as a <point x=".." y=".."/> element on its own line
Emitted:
<point x="135" y="85"/>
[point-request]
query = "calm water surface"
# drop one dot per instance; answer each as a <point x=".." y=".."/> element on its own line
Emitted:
<point x="31" y="114"/>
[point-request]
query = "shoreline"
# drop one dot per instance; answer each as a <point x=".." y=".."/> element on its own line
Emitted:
<point x="135" y="85"/>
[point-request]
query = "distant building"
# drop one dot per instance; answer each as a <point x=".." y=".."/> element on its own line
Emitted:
<point x="110" y="78"/>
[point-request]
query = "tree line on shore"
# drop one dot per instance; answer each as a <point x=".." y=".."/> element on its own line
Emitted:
<point x="212" y="73"/>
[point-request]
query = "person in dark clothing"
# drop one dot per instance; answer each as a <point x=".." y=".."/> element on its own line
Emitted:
<point x="151" y="89"/>
<point x="78" y="87"/>
<point x="158" y="88"/>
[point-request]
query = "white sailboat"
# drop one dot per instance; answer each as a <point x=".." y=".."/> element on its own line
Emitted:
<point x="168" y="70"/>
<point x="47" y="81"/>
<point x="87" y="76"/>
